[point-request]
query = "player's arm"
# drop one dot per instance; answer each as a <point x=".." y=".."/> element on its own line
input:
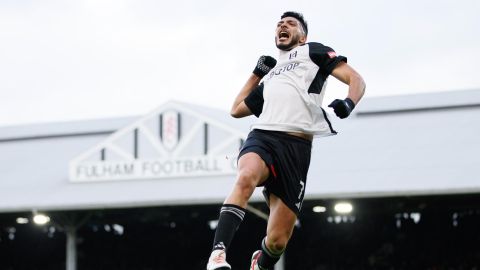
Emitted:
<point x="356" y="88"/>
<point x="252" y="91"/>
<point x="347" y="75"/>
<point x="239" y="108"/>
<point x="331" y="64"/>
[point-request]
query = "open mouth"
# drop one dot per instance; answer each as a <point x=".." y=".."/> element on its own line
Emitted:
<point x="283" y="35"/>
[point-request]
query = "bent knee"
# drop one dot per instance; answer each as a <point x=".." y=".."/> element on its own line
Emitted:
<point x="248" y="178"/>
<point x="277" y="243"/>
<point x="246" y="183"/>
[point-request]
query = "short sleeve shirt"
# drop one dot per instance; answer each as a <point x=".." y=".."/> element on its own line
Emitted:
<point x="290" y="96"/>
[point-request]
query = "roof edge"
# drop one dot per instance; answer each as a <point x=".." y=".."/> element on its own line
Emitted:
<point x="420" y="102"/>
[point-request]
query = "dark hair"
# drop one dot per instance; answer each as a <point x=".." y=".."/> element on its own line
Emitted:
<point x="299" y="17"/>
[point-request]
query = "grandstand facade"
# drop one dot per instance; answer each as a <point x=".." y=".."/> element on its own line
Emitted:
<point x="134" y="192"/>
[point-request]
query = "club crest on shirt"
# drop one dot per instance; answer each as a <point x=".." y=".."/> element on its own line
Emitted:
<point x="293" y="55"/>
<point x="332" y="54"/>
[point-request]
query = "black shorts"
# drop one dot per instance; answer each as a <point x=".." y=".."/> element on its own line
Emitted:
<point x="288" y="159"/>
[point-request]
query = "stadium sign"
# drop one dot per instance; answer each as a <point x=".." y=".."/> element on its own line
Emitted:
<point x="155" y="168"/>
<point x="173" y="141"/>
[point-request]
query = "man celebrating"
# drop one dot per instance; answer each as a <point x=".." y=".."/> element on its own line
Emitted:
<point x="276" y="154"/>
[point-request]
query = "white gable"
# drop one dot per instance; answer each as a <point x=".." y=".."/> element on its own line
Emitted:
<point x="171" y="141"/>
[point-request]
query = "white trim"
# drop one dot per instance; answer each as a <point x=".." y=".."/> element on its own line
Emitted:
<point x="220" y="146"/>
<point x="217" y="200"/>
<point x="214" y="122"/>
<point x="153" y="141"/>
<point x="172" y="105"/>
<point x="119" y="151"/>
<point x="188" y="138"/>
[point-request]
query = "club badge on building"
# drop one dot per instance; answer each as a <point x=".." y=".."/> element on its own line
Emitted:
<point x="170" y="129"/>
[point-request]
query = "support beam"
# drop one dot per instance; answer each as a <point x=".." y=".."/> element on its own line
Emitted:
<point x="71" y="247"/>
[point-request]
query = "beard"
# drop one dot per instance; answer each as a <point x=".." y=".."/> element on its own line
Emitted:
<point x="287" y="47"/>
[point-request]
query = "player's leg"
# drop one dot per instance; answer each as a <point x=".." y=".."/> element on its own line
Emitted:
<point x="279" y="230"/>
<point x="285" y="196"/>
<point x="252" y="171"/>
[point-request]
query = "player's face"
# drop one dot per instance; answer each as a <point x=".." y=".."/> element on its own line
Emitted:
<point x="289" y="34"/>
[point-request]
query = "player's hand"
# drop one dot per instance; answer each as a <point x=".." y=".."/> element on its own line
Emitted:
<point x="342" y="108"/>
<point x="264" y="65"/>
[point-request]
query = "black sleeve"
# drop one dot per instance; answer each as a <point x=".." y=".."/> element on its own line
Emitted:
<point x="254" y="100"/>
<point x="325" y="57"/>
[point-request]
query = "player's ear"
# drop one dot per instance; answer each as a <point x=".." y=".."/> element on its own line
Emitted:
<point x="303" y="39"/>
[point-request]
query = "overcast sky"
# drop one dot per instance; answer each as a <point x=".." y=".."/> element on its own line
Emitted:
<point x="86" y="59"/>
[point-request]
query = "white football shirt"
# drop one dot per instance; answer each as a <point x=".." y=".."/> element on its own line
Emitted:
<point x="290" y="96"/>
